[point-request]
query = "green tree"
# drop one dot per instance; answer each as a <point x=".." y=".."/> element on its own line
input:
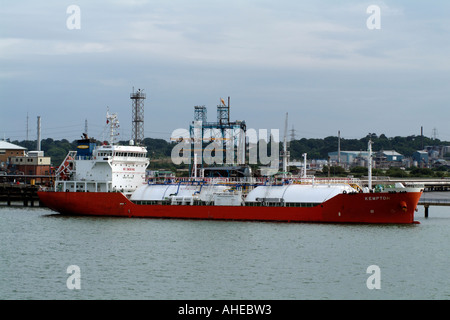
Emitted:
<point x="421" y="172"/>
<point x="335" y="171"/>
<point x="396" y="172"/>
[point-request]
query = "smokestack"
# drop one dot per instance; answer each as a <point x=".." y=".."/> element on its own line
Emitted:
<point x="421" y="135"/>
<point x="38" y="142"/>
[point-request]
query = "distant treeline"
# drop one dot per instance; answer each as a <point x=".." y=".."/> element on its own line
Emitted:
<point x="160" y="149"/>
<point x="319" y="148"/>
<point x="58" y="149"/>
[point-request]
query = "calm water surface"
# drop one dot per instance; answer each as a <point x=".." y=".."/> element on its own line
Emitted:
<point x="122" y="258"/>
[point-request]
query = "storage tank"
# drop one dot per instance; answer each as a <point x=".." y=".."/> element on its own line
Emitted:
<point x="158" y="192"/>
<point x="296" y="193"/>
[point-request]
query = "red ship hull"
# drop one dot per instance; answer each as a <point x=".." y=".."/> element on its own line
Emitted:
<point x="379" y="208"/>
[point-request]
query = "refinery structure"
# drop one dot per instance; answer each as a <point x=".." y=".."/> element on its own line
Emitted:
<point x="137" y="98"/>
<point x="219" y="146"/>
<point x="216" y="139"/>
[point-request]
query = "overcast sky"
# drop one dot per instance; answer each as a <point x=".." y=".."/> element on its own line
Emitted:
<point x="316" y="60"/>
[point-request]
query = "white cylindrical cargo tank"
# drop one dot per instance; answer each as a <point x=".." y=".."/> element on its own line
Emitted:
<point x="297" y="193"/>
<point x="157" y="192"/>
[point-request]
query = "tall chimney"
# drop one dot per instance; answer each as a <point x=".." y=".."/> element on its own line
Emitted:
<point x="421" y="135"/>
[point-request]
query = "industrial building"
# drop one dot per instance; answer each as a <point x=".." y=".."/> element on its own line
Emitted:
<point x="348" y="158"/>
<point x="8" y="150"/>
<point x="33" y="163"/>
<point x="432" y="156"/>
<point x="420" y="158"/>
<point x="20" y="165"/>
<point x="381" y="159"/>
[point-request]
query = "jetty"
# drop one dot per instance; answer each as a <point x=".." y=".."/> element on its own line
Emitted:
<point x="19" y="195"/>
<point x="434" y="199"/>
<point x="430" y="184"/>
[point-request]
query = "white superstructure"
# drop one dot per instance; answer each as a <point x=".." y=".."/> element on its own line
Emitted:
<point x="104" y="168"/>
<point x="110" y="168"/>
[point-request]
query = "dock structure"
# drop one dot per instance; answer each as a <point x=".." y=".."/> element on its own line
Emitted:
<point x="430" y="184"/>
<point x="428" y="202"/>
<point x="442" y="185"/>
<point x="21" y="195"/>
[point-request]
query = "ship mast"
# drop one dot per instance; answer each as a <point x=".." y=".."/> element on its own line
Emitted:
<point x="285" y="152"/>
<point x="369" y="160"/>
<point x="113" y="122"/>
<point x="304" y="165"/>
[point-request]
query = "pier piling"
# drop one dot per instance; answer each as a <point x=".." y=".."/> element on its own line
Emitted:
<point x="24" y="195"/>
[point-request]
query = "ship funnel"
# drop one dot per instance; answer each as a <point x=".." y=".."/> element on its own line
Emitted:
<point x="85" y="148"/>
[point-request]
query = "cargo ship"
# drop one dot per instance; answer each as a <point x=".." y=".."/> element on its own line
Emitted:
<point x="111" y="180"/>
